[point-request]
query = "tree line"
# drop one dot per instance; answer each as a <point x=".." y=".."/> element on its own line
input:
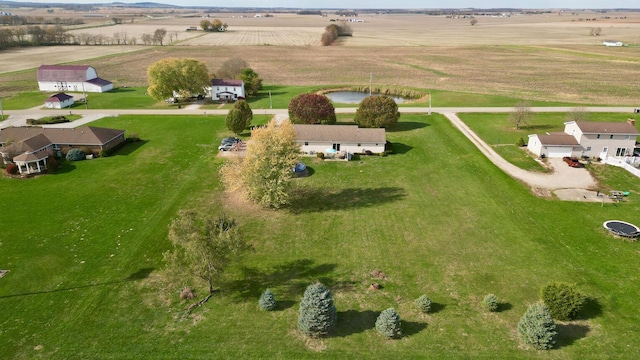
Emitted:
<point x="333" y="31"/>
<point x="15" y="20"/>
<point x="35" y="35"/>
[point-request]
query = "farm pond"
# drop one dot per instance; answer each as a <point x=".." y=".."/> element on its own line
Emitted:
<point x="354" y="97"/>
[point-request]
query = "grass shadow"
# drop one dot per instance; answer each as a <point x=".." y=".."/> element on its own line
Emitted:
<point x="407" y="126"/>
<point x="538" y="127"/>
<point x="436" y="307"/>
<point x="590" y="309"/>
<point x="354" y="322"/>
<point x="504" y="307"/>
<point x="400" y="148"/>
<point x="65" y="167"/>
<point x="140" y="274"/>
<point x="569" y="333"/>
<point x="410" y="328"/>
<point x="285" y="280"/>
<point x="129" y="148"/>
<point x="308" y="200"/>
<point x="283" y="305"/>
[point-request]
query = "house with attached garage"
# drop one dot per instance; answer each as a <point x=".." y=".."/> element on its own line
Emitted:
<point x="339" y="138"/>
<point x="30" y="147"/>
<point x="76" y="78"/>
<point x="586" y="138"/>
<point x="227" y="90"/>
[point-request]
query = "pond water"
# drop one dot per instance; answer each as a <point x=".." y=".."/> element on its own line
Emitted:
<point x="354" y="97"/>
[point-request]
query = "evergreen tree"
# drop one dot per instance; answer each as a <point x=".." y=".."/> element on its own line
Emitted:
<point x="267" y="301"/>
<point x="388" y="324"/>
<point x="318" y="315"/>
<point x="536" y="327"/>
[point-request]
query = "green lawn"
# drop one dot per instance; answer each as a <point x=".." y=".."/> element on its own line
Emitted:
<point x="84" y="247"/>
<point x="496" y="130"/>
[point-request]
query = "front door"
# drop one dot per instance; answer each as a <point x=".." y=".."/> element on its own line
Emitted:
<point x="621" y="151"/>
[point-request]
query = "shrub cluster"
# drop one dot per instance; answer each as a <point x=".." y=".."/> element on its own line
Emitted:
<point x="490" y="302"/>
<point x="423" y="303"/>
<point x="318" y="315"/>
<point x="11" y="169"/>
<point x="563" y="300"/>
<point x="267" y="301"/>
<point x="333" y="31"/>
<point x="388" y="324"/>
<point x="75" y="154"/>
<point x="311" y="109"/>
<point x="536" y="327"/>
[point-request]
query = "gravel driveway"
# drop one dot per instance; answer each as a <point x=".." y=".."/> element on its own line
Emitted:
<point x="565" y="182"/>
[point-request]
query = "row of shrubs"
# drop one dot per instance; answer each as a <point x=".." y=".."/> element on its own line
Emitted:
<point x="560" y="301"/>
<point x="404" y="93"/>
<point x="48" y="120"/>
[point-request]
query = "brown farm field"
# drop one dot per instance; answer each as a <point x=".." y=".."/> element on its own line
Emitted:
<point x="538" y="57"/>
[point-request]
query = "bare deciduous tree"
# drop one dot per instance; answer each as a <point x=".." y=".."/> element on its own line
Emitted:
<point x="521" y="114"/>
<point x="578" y="114"/>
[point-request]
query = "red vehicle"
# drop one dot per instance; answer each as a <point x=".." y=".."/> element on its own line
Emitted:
<point x="573" y="162"/>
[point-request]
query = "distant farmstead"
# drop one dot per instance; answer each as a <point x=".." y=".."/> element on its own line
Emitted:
<point x="227" y="90"/>
<point x="59" y="101"/>
<point x="612" y="43"/>
<point x="75" y="78"/>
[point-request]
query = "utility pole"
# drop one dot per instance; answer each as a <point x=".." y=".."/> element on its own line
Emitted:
<point x="370" y="82"/>
<point x="1" y="111"/>
<point x="429" y="102"/>
<point x="270" y="101"/>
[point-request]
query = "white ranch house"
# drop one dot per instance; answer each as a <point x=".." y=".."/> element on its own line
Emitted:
<point x="227" y="90"/>
<point x="75" y="78"/>
<point x="585" y="138"/>
<point x="59" y="101"/>
<point x="340" y="138"/>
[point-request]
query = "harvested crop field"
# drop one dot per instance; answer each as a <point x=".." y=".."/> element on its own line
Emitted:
<point x="541" y="57"/>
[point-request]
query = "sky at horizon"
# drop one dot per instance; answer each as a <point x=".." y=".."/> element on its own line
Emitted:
<point x="386" y="4"/>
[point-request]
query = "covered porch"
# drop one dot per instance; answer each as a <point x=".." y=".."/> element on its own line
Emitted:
<point x="31" y="163"/>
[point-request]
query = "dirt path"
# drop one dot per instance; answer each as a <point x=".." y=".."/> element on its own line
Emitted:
<point x="567" y="183"/>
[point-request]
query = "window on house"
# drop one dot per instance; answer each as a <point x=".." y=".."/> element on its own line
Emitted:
<point x="627" y="137"/>
<point x="598" y="136"/>
<point x="588" y="148"/>
<point x="610" y="136"/>
<point x="306" y="143"/>
<point x="359" y="144"/>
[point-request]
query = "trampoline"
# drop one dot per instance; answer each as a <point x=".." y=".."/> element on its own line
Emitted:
<point x="622" y="228"/>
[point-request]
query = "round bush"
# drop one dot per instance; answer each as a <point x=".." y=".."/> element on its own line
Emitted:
<point x="75" y="154"/>
<point x="11" y="169"/>
<point x="311" y="109"/>
<point x="536" y="327"/>
<point x="377" y="112"/>
<point x="388" y="324"/>
<point x="318" y="315"/>
<point x="267" y="301"/>
<point x="423" y="303"/>
<point x="490" y="302"/>
<point x="563" y="300"/>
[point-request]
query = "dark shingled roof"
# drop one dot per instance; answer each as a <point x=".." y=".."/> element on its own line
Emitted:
<point x="339" y="133"/>
<point x="99" y="81"/>
<point x="59" y="97"/>
<point x="624" y="128"/>
<point x="226" y="82"/>
<point x="62" y="72"/>
<point x="558" y="139"/>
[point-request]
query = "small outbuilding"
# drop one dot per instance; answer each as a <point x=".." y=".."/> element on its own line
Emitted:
<point x="59" y="101"/>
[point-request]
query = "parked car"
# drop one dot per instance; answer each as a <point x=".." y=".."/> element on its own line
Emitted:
<point x="228" y="143"/>
<point x="573" y="162"/>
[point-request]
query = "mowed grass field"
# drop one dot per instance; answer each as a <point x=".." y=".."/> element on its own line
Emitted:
<point x="84" y="249"/>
